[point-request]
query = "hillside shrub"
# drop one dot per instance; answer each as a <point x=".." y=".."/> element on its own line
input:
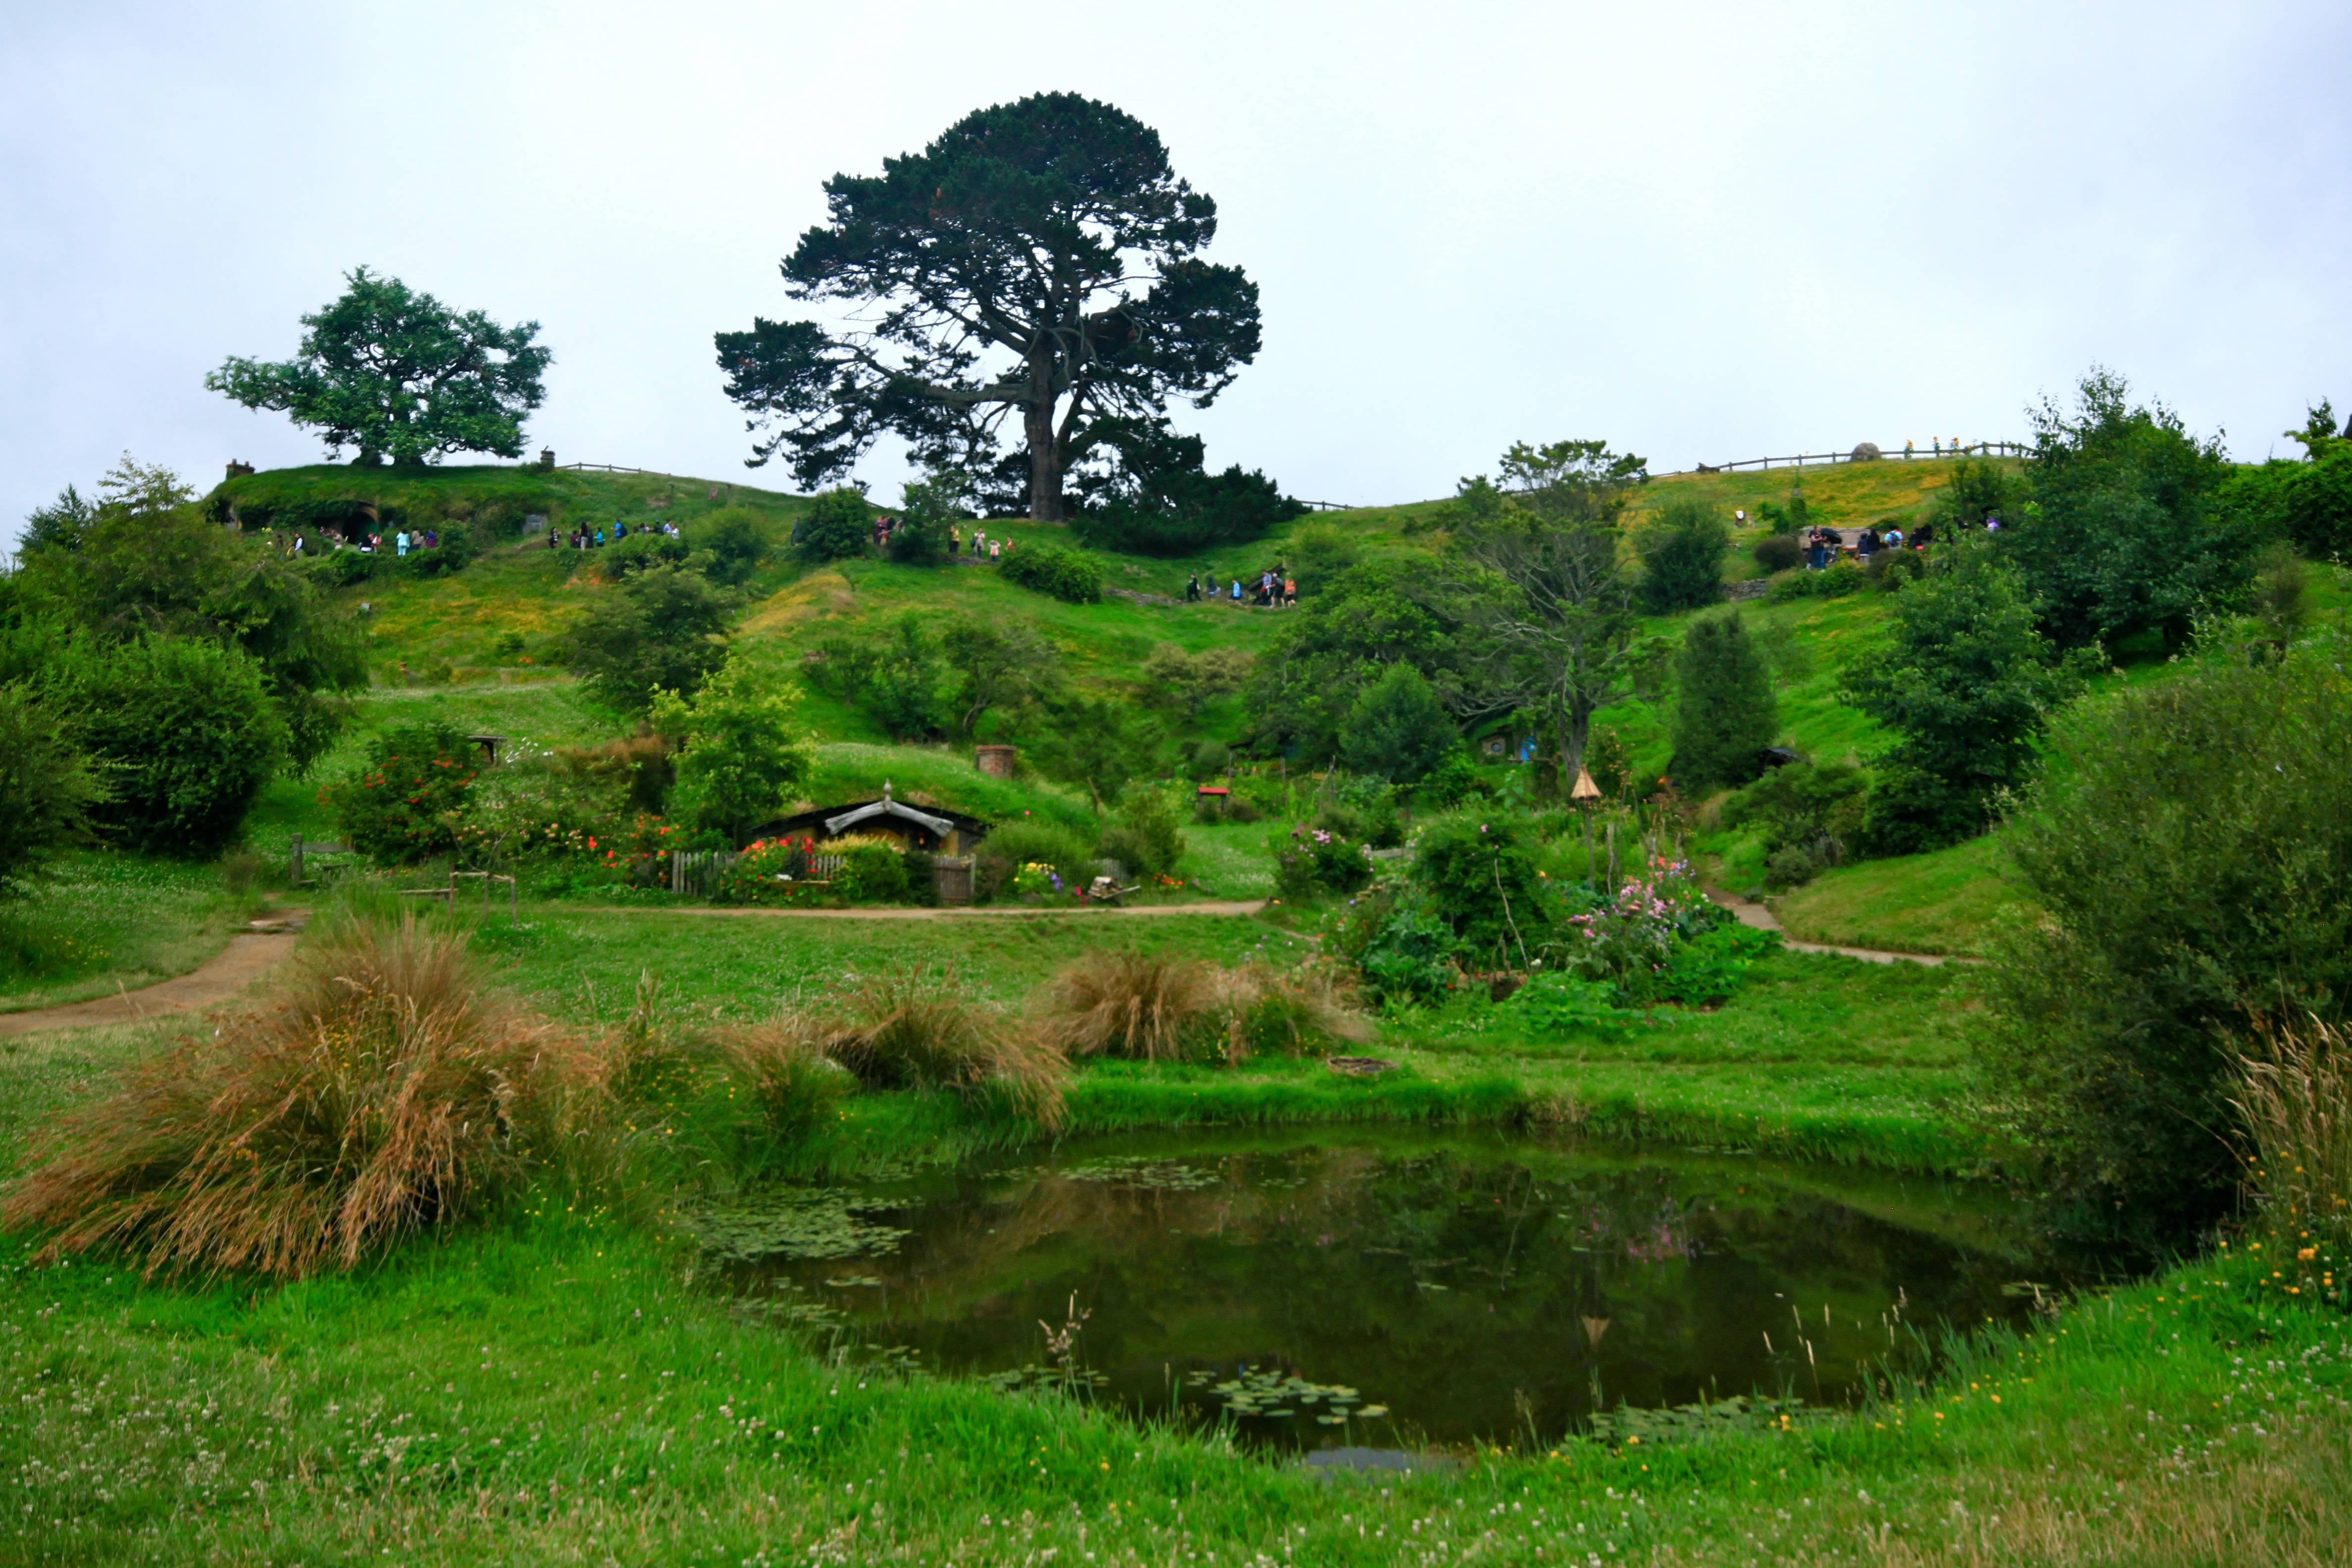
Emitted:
<point x="1778" y="552"/>
<point x="737" y="539"/>
<point x="1145" y="836"/>
<point x="838" y="524"/>
<point x="185" y="735"/>
<point x="1290" y="1009"/>
<point x="2189" y="849"/>
<point x="642" y="549"/>
<point x="871" y="874"/>
<point x="1725" y="712"/>
<point x="406" y="802"/>
<point x="46" y="784"/>
<point x="1311" y="862"/>
<point x="1064" y="574"/>
<point x="998" y="860"/>
<point x="663" y="630"/>
<point x="1400" y="944"/>
<point x="1810" y="813"/>
<point x="1481" y="880"/>
<point x="1964" y="682"/>
<point x="2318" y="511"/>
<point x="1398" y="729"/>
<point x="1838" y="579"/>
<point x="1681" y="557"/>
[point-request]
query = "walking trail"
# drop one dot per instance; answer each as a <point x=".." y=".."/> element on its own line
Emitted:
<point x="1760" y="917"/>
<point x="1091" y="911"/>
<point x="248" y="956"/>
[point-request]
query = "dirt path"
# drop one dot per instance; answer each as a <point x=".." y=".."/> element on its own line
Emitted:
<point x="1760" y="917"/>
<point x="1092" y="911"/>
<point x="248" y="956"/>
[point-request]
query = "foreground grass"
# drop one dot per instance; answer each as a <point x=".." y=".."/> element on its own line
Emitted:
<point x="544" y="1389"/>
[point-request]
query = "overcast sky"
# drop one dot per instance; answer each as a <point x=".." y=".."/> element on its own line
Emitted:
<point x="1703" y="232"/>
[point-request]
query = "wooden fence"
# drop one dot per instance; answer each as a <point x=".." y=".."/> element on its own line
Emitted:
<point x="1908" y="455"/>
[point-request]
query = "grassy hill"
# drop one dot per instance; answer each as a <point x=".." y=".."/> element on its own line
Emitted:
<point x="481" y="646"/>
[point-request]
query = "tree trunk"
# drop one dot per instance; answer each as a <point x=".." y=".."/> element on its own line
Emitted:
<point x="1045" y="453"/>
<point x="1575" y="729"/>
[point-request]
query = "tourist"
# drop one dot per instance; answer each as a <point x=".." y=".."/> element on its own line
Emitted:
<point x="1923" y="536"/>
<point x="955" y="539"/>
<point x="1193" y="589"/>
<point x="1237" y="590"/>
<point x="551" y="536"/>
<point x="1894" y="540"/>
<point x="1290" y="593"/>
<point x="995" y="549"/>
<point x="1866" y="546"/>
<point x="400" y="541"/>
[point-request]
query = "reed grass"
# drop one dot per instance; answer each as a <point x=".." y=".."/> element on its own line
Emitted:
<point x="2294" y="1099"/>
<point x="1145" y="1006"/>
<point x="381" y="1095"/>
<point x="920" y="1027"/>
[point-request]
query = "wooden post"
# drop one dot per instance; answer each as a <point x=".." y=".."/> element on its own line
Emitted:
<point x="296" y="875"/>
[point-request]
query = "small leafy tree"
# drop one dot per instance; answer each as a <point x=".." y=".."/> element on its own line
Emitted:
<point x="737" y="541"/>
<point x="1725" y="712"/>
<point x="995" y="667"/>
<point x="742" y="747"/>
<point x="1162" y="500"/>
<point x="47" y="786"/>
<point x="928" y="507"/>
<point x="1145" y="836"/>
<point x="1185" y="681"/>
<point x="1398" y="729"/>
<point x="2124" y="540"/>
<point x="838" y="524"/>
<point x="1681" y="557"/>
<point x="663" y="628"/>
<point x="407" y="801"/>
<point x="397" y="373"/>
<point x="1965" y="683"/>
<point x="186" y="734"/>
<point x="2189" y="854"/>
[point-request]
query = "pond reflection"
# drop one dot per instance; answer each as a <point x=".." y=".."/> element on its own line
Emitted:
<point x="1369" y="1285"/>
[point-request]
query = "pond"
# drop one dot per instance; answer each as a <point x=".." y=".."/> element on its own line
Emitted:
<point x="1365" y="1289"/>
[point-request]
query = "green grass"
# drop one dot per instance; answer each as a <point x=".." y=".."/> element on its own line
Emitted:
<point x="544" y="1389"/>
<point x="1945" y="901"/>
<point x="103" y="921"/>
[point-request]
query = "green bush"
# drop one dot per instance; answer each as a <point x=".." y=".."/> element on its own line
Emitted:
<point x="1837" y="580"/>
<point x="1805" y="808"/>
<point x="1398" y="729"/>
<point x="838" y="524"/>
<point x="2189" y="849"/>
<point x="663" y="630"/>
<point x="871" y="874"/>
<point x="1145" y="836"/>
<point x="46" y="784"/>
<point x="186" y="736"/>
<point x="640" y="550"/>
<point x="1778" y="552"/>
<point x="1482" y="881"/>
<point x="737" y="539"/>
<point x="1006" y="850"/>
<point x="1403" y="948"/>
<point x="1310" y="861"/>
<point x="1681" y="557"/>
<point x="1725" y="712"/>
<point x="1556" y="1003"/>
<point x="1065" y="574"/>
<point x="407" y="801"/>
<point x="2319" y="505"/>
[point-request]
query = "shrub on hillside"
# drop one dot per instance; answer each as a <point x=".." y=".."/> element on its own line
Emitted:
<point x="1398" y="729"/>
<point x="839" y="522"/>
<point x="1725" y="712"/>
<point x="1840" y="578"/>
<point x="737" y="539"/>
<point x="1483" y="883"/>
<point x="1310" y="862"/>
<point x="663" y="630"/>
<point x="1145" y="836"/>
<point x="1778" y="552"/>
<point x="386" y="1094"/>
<point x="1064" y="574"/>
<point x="2189" y="849"/>
<point x="185" y="735"/>
<point x="406" y="802"/>
<point x="640" y="550"/>
<point x="871" y="874"/>
<point x="997" y="862"/>
<point x="1813" y="813"/>
<point x="46" y="784"/>
<point x="1681" y="557"/>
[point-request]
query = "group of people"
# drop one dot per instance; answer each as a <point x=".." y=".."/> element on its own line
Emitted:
<point x="1823" y="546"/>
<point x="591" y="538"/>
<point x="983" y="547"/>
<point x="1276" y="590"/>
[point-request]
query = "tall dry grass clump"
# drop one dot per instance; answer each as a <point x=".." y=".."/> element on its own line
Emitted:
<point x="382" y="1096"/>
<point x="2294" y="1099"/>
<point x="1148" y="1007"/>
<point x="921" y="1028"/>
